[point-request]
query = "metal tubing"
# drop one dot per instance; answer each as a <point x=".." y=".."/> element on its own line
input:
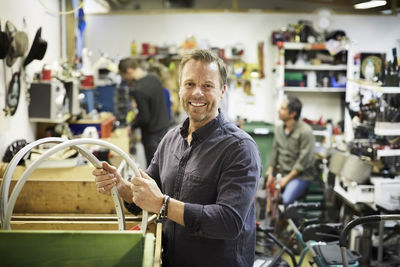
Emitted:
<point x="10" y="168"/>
<point x="94" y="161"/>
<point x="355" y="222"/>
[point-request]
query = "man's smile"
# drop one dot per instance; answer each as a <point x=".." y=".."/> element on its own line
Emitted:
<point x="197" y="104"/>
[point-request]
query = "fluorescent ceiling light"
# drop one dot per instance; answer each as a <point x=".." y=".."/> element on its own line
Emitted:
<point x="96" y="6"/>
<point x="370" y="4"/>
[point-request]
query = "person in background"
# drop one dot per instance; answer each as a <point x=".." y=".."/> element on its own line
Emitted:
<point x="202" y="179"/>
<point x="292" y="152"/>
<point x="162" y="73"/>
<point x="152" y="117"/>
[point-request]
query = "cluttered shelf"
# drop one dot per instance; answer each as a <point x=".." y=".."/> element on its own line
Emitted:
<point x="313" y="89"/>
<point x="387" y="128"/>
<point x="375" y="87"/>
<point x="317" y="67"/>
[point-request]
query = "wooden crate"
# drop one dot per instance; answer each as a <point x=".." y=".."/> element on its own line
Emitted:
<point x="61" y="190"/>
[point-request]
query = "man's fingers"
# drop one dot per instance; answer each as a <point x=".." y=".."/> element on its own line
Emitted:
<point x="105" y="184"/>
<point x="106" y="177"/>
<point x="105" y="169"/>
<point x="137" y="181"/>
<point x="143" y="174"/>
<point x="99" y="171"/>
<point x="108" y="167"/>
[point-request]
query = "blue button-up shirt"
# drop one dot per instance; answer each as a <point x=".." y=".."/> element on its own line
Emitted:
<point x="216" y="177"/>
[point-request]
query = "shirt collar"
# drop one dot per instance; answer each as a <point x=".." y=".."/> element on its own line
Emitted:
<point x="203" y="131"/>
<point x="294" y="127"/>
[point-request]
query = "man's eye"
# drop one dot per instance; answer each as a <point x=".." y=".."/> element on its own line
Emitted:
<point x="189" y="84"/>
<point x="207" y="86"/>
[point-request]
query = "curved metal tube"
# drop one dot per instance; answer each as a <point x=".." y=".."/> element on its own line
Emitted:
<point x="93" y="160"/>
<point x="10" y="168"/>
<point x="358" y="221"/>
<point x="21" y="182"/>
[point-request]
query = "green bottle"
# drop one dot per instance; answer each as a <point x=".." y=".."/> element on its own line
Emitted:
<point x="133" y="49"/>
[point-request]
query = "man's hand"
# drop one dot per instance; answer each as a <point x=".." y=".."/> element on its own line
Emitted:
<point x="284" y="181"/>
<point x="106" y="178"/>
<point x="269" y="175"/>
<point x="146" y="193"/>
<point x="270" y="178"/>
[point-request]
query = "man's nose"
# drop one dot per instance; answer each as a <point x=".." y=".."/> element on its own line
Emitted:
<point x="198" y="90"/>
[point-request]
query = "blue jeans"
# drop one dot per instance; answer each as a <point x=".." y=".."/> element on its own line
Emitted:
<point x="295" y="189"/>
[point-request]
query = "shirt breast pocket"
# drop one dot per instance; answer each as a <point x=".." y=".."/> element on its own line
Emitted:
<point x="294" y="143"/>
<point x="199" y="189"/>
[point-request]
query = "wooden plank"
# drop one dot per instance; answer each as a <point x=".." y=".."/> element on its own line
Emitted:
<point x="78" y="173"/>
<point x="71" y="248"/>
<point x="69" y="225"/>
<point x="148" y="253"/>
<point x="74" y="222"/>
<point x="72" y="217"/>
<point x="62" y="197"/>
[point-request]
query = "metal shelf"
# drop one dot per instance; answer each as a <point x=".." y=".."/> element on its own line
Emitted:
<point x="388" y="153"/>
<point x="322" y="67"/>
<point x="303" y="46"/>
<point x="48" y="120"/>
<point x="387" y="128"/>
<point x="376" y="87"/>
<point x="313" y="89"/>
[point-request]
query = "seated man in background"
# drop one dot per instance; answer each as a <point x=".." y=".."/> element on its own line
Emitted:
<point x="292" y="152"/>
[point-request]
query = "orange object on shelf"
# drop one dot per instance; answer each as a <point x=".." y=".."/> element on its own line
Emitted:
<point x="104" y="126"/>
<point x="318" y="46"/>
<point x="107" y="127"/>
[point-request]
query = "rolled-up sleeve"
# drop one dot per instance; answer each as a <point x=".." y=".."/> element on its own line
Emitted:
<point x="273" y="157"/>
<point x="306" y="150"/>
<point x="235" y="195"/>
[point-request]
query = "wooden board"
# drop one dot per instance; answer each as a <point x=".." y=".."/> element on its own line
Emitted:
<point x="78" y="173"/>
<point x="68" y="225"/>
<point x="61" y="190"/>
<point x="62" y="197"/>
<point x="74" y="222"/>
<point x="74" y="248"/>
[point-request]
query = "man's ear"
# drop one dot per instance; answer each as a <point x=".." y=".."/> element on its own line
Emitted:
<point x="223" y="91"/>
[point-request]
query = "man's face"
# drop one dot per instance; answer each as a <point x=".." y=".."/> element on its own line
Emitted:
<point x="200" y="91"/>
<point x="284" y="113"/>
<point x="128" y="75"/>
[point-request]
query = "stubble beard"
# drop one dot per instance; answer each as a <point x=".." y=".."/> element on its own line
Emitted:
<point x="197" y="116"/>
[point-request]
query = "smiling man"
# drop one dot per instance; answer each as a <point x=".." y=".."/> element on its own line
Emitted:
<point x="202" y="179"/>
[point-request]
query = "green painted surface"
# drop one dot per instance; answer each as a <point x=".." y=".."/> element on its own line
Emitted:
<point x="263" y="140"/>
<point x="71" y="248"/>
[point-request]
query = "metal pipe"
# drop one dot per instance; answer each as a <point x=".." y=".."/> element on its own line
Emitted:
<point x="355" y="222"/>
<point x="7" y="176"/>
<point x="94" y="161"/>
